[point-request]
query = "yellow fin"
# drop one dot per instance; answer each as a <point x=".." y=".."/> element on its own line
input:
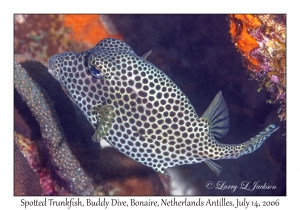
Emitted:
<point x="105" y="116"/>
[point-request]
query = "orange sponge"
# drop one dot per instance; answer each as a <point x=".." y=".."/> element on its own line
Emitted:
<point x="88" y="28"/>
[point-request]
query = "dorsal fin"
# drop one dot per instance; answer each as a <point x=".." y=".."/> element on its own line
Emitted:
<point x="217" y="116"/>
<point x="145" y="56"/>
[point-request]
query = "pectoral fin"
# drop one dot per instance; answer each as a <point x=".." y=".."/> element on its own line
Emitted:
<point x="105" y="116"/>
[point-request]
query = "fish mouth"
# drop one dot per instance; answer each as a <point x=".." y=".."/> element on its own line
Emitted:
<point x="51" y="63"/>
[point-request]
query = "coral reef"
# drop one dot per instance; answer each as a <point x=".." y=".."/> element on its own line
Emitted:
<point x="38" y="101"/>
<point x="31" y="151"/>
<point x="262" y="41"/>
<point x="26" y="181"/>
<point x="46" y="35"/>
<point x="40" y="36"/>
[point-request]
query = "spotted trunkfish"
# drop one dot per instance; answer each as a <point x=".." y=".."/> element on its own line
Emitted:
<point x="141" y="112"/>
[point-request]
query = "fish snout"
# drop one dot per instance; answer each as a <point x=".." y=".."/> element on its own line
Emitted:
<point x="51" y="63"/>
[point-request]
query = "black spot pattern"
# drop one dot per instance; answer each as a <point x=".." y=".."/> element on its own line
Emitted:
<point x="155" y="123"/>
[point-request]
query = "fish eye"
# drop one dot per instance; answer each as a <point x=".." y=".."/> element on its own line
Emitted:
<point x="95" y="72"/>
<point x="94" y="69"/>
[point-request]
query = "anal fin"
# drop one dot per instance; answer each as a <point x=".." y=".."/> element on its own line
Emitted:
<point x="214" y="167"/>
<point x="166" y="174"/>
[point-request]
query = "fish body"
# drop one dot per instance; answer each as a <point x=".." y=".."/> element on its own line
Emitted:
<point x="139" y="110"/>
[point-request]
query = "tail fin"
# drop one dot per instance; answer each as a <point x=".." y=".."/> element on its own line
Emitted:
<point x="237" y="150"/>
<point x="257" y="140"/>
<point x="217" y="118"/>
